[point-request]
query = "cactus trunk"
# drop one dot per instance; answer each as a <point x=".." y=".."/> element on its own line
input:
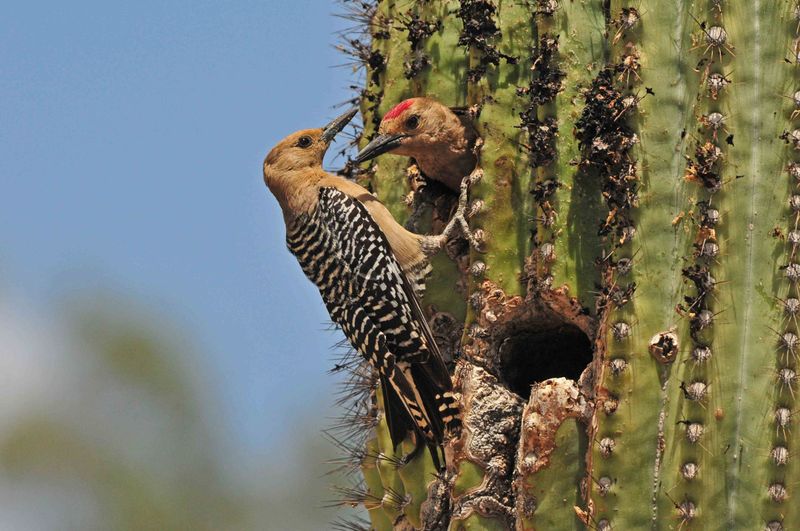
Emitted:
<point x="625" y="340"/>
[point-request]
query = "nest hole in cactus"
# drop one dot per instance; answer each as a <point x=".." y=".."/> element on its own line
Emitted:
<point x="532" y="354"/>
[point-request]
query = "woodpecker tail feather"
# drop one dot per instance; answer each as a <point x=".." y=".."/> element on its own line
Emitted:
<point x="449" y="412"/>
<point x="404" y="405"/>
<point x="431" y="410"/>
<point x="439" y="403"/>
<point x="403" y="393"/>
<point x="397" y="420"/>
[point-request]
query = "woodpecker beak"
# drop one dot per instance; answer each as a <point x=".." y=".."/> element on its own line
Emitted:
<point x="380" y="144"/>
<point x="333" y="128"/>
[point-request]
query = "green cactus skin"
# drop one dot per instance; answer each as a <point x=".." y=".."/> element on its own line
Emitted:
<point x="470" y="476"/>
<point x="756" y="206"/>
<point x="634" y="425"/>
<point x="746" y="356"/>
<point x="557" y="489"/>
<point x="372" y="479"/>
<point x="665" y="196"/>
<point x="504" y="188"/>
<point x="736" y="480"/>
<point x="657" y="452"/>
<point x="445" y="80"/>
<point x="582" y="48"/>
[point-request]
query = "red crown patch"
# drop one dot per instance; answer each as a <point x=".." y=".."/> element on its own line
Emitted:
<point x="398" y="109"/>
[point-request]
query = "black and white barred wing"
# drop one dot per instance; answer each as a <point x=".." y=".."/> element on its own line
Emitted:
<point x="343" y="250"/>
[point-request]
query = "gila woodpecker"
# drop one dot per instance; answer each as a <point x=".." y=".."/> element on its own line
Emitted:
<point x="369" y="271"/>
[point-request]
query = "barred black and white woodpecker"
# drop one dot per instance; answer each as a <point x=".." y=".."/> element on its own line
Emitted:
<point x="369" y="270"/>
<point x="440" y="140"/>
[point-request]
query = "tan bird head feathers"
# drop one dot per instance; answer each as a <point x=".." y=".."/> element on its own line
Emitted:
<point x="306" y="148"/>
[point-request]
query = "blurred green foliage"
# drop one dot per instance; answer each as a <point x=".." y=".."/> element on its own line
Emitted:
<point x="127" y="435"/>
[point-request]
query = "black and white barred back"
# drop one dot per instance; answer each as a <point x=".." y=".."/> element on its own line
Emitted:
<point x="343" y="250"/>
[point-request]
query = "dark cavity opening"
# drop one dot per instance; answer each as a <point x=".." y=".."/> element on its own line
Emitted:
<point x="530" y="356"/>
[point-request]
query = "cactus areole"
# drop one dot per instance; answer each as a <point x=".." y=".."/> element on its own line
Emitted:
<point x="623" y="332"/>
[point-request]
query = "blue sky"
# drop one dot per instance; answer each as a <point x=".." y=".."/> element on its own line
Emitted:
<point x="131" y="142"/>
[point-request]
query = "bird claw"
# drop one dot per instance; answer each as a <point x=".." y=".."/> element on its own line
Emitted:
<point x="433" y="244"/>
<point x="459" y="218"/>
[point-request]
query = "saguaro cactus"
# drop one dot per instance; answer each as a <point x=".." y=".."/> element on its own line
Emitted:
<point x="625" y="340"/>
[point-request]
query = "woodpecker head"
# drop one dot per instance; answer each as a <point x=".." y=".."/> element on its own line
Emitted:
<point x="303" y="149"/>
<point x="411" y="127"/>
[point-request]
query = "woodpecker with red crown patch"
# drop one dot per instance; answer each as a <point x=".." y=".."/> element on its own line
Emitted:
<point x="369" y="271"/>
<point x="441" y="141"/>
<point x="443" y="144"/>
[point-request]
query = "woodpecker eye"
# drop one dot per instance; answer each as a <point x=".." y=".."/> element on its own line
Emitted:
<point x="304" y="141"/>
<point x="412" y="122"/>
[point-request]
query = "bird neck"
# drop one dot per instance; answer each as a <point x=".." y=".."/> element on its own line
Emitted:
<point x="295" y="190"/>
<point x="449" y="161"/>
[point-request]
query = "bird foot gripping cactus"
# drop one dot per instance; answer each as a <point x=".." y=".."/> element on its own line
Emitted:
<point x="458" y="221"/>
